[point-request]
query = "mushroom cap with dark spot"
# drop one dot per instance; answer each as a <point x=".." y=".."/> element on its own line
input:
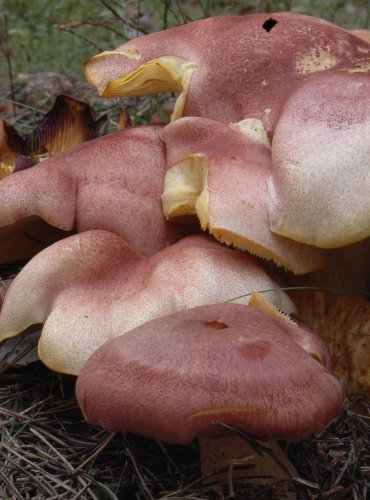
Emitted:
<point x="175" y="377"/>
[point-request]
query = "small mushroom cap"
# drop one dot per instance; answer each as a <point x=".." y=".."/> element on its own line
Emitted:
<point x="112" y="183"/>
<point x="93" y="286"/>
<point x="69" y="122"/>
<point x="175" y="377"/>
<point x="228" y="68"/>
<point x="219" y="172"/>
<point x="319" y="190"/>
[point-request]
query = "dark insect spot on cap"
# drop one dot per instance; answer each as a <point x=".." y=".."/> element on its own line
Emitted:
<point x="217" y="325"/>
<point x="269" y="24"/>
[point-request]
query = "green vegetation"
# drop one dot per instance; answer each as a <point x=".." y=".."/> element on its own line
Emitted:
<point x="49" y="35"/>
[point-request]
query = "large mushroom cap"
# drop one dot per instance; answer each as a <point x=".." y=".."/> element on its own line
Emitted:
<point x="319" y="191"/>
<point x="175" y="377"/>
<point x="93" y="286"/>
<point x="219" y="172"/>
<point x="112" y="183"/>
<point x="227" y="68"/>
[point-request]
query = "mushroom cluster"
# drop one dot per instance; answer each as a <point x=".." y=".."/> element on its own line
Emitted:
<point x="268" y="151"/>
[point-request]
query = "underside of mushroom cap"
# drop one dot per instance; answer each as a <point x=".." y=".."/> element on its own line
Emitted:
<point x="219" y="173"/>
<point x="25" y="238"/>
<point x="175" y="377"/>
<point x="92" y="286"/>
<point x="223" y="79"/>
<point x="69" y="122"/>
<point x="319" y="190"/>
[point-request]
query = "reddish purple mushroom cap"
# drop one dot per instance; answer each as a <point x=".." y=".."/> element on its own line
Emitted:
<point x="174" y="377"/>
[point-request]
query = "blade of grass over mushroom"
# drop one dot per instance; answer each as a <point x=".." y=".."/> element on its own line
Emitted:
<point x="303" y="288"/>
<point x="296" y="47"/>
<point x="219" y="172"/>
<point x="116" y="289"/>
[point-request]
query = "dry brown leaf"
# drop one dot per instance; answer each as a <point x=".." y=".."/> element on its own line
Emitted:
<point x="18" y="352"/>
<point x="21" y="351"/>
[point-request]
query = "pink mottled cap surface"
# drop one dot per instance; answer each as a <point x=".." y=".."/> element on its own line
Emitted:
<point x="93" y="286"/>
<point x="226" y="187"/>
<point x="175" y="377"/>
<point x="112" y="183"/>
<point x="229" y="68"/>
<point x="320" y="185"/>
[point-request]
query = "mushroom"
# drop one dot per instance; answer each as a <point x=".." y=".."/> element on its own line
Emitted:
<point x="219" y="172"/>
<point x="69" y="122"/>
<point x="228" y="68"/>
<point x="319" y="190"/>
<point x="175" y="377"/>
<point x="112" y="183"/>
<point x="253" y="79"/>
<point x="93" y="286"/>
